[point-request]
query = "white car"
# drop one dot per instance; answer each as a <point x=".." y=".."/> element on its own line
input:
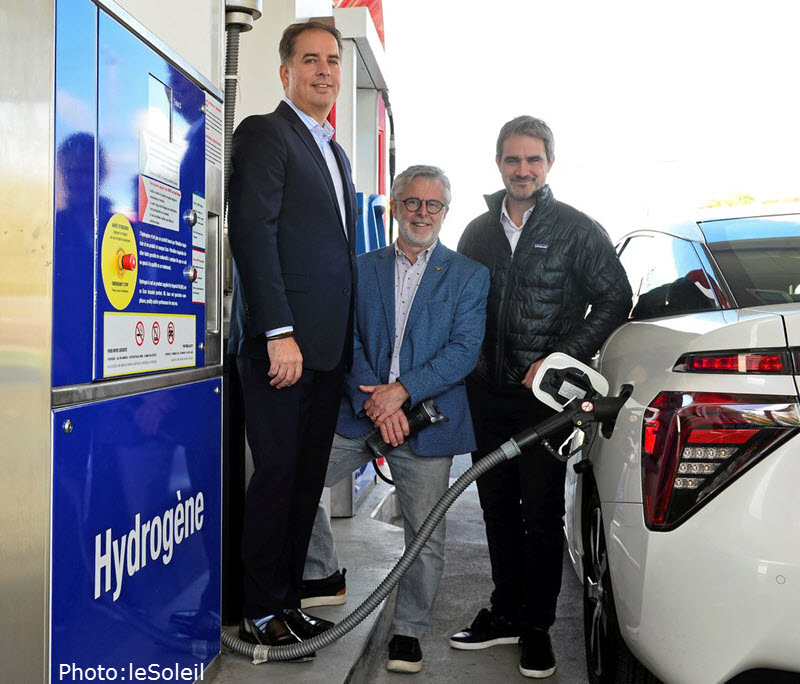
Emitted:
<point x="684" y="522"/>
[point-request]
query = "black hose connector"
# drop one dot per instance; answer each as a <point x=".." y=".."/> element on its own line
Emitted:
<point x="421" y="416"/>
<point x="577" y="413"/>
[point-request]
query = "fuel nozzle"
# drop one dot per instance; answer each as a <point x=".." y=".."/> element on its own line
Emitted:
<point x="421" y="416"/>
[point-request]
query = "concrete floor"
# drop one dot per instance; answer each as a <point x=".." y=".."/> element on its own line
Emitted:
<point x="465" y="589"/>
<point x="368" y="549"/>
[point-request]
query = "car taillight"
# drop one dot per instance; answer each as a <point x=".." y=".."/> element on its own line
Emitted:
<point x="748" y="361"/>
<point x="694" y="444"/>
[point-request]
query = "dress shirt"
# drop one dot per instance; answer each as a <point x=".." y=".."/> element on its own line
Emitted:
<point x="407" y="277"/>
<point x="322" y="136"/>
<point x="511" y="229"/>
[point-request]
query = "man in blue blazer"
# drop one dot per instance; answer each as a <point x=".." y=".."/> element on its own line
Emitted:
<point x="292" y="234"/>
<point x="419" y="325"/>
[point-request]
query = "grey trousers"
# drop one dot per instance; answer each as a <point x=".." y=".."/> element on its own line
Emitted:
<point x="420" y="481"/>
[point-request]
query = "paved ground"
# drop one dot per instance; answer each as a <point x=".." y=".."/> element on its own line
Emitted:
<point x="464" y="590"/>
<point x="368" y="549"/>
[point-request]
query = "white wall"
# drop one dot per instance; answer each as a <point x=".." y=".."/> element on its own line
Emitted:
<point x="192" y="28"/>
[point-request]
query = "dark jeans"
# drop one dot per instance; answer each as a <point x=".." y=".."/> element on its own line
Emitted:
<point x="523" y="507"/>
<point x="290" y="433"/>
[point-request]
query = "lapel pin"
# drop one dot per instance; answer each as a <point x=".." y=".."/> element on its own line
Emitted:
<point x="437" y="268"/>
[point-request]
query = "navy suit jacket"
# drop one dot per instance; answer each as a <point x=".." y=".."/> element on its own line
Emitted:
<point x="440" y="347"/>
<point x="294" y="264"/>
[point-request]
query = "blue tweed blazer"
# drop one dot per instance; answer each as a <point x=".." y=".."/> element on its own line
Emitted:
<point x="440" y="347"/>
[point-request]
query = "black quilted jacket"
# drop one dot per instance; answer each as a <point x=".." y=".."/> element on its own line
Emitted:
<point x="564" y="262"/>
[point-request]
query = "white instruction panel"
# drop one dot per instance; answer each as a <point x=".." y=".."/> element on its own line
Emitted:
<point x="214" y="132"/>
<point x="138" y="342"/>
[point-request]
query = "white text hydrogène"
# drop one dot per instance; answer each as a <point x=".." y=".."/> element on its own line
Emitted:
<point x="155" y="538"/>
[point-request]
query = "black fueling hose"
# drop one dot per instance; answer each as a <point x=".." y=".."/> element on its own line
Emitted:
<point x="577" y="414"/>
<point x="385" y="95"/>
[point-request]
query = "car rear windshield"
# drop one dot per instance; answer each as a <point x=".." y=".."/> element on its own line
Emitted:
<point x="759" y="257"/>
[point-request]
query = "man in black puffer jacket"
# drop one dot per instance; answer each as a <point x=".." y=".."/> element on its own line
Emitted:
<point x="548" y="263"/>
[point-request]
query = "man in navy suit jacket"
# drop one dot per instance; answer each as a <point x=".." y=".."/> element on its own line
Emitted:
<point x="420" y="316"/>
<point x="291" y="229"/>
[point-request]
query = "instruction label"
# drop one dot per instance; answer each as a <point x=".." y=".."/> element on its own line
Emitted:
<point x="199" y="285"/>
<point x="199" y="228"/>
<point x="159" y="158"/>
<point x="166" y="254"/>
<point x="119" y="265"/>
<point x="159" y="204"/>
<point x="138" y="342"/>
<point x="162" y="293"/>
<point x="214" y="132"/>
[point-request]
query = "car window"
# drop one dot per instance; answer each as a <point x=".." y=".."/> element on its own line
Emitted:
<point x="635" y="256"/>
<point x="759" y="257"/>
<point x="667" y="277"/>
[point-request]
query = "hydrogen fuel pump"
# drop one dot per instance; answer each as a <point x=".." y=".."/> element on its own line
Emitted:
<point x="110" y="346"/>
<point x="572" y="388"/>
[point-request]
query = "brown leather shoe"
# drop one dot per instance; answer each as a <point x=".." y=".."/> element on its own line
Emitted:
<point x="272" y="633"/>
<point x="304" y="625"/>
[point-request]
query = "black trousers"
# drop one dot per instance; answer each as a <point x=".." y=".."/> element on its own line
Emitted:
<point x="290" y="433"/>
<point x="523" y="507"/>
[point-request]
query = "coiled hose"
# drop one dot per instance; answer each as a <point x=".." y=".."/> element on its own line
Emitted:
<point x="231" y="81"/>
<point x="262" y="654"/>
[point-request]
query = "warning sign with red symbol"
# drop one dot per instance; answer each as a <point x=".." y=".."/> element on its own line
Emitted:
<point x="139" y="334"/>
<point x="130" y="349"/>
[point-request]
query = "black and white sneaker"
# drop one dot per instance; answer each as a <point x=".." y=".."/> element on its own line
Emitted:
<point x="537" y="658"/>
<point x="405" y="655"/>
<point x="487" y="629"/>
<point x="331" y="591"/>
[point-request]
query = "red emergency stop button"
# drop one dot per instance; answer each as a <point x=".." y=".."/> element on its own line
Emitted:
<point x="128" y="262"/>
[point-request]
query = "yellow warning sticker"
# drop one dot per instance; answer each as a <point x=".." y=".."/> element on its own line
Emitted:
<point x="119" y="263"/>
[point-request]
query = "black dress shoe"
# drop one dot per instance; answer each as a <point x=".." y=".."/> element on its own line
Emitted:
<point x="272" y="633"/>
<point x="304" y="625"/>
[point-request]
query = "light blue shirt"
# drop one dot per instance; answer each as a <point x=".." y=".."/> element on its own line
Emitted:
<point x="323" y="136"/>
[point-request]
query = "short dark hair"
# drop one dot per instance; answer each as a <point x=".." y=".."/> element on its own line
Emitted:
<point x="424" y="171"/>
<point x="527" y="125"/>
<point x="289" y="38"/>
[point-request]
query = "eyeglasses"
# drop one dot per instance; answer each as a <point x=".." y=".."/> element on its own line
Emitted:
<point x="414" y="203"/>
